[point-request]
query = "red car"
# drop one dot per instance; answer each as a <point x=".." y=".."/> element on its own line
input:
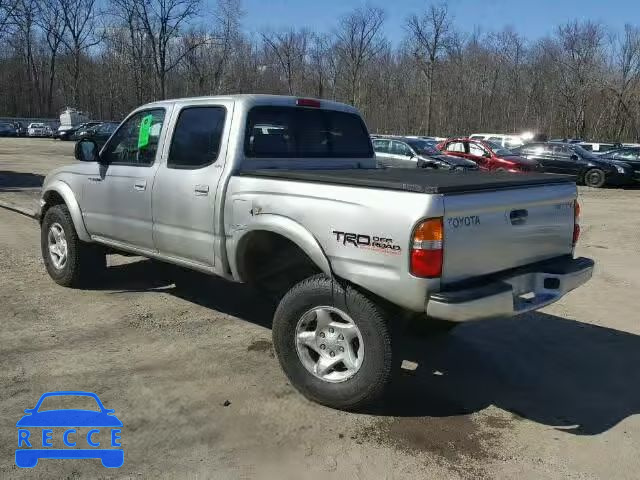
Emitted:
<point x="488" y="155"/>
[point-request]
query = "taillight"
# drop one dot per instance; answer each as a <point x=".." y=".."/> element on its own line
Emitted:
<point x="576" y="222"/>
<point x="308" y="102"/>
<point x="426" y="249"/>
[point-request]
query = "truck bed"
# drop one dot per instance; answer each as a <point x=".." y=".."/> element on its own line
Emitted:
<point x="418" y="180"/>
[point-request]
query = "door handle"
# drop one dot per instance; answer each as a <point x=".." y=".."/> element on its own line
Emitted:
<point x="518" y="217"/>
<point x="140" y="185"/>
<point x="202" y="189"/>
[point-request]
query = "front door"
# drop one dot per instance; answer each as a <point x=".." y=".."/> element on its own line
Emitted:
<point x="403" y="156"/>
<point x="184" y="192"/>
<point x="480" y="155"/>
<point x="116" y="195"/>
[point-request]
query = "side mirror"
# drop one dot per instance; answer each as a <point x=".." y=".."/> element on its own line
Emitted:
<point x="574" y="156"/>
<point x="86" y="151"/>
<point x="486" y="155"/>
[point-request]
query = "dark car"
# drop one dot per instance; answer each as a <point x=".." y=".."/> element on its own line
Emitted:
<point x="488" y="155"/>
<point x="21" y="130"/>
<point x="72" y="133"/>
<point x="403" y="152"/>
<point x="591" y="170"/>
<point x="8" y="130"/>
<point x="98" y="133"/>
<point x="627" y="155"/>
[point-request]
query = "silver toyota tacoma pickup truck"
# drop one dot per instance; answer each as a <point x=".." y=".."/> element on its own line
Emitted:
<point x="282" y="193"/>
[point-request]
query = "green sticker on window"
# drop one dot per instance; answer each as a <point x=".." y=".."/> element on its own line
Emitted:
<point x="145" y="128"/>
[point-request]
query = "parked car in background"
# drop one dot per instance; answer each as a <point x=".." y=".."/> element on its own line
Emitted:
<point x="487" y="155"/>
<point x="98" y="133"/>
<point x="38" y="129"/>
<point x="72" y="133"/>
<point x="70" y="119"/>
<point x="21" y="130"/>
<point x="599" y="147"/>
<point x="627" y="155"/>
<point x="505" y="141"/>
<point x="82" y="129"/>
<point x="591" y="170"/>
<point x="8" y="130"/>
<point x="566" y="140"/>
<point x="416" y="153"/>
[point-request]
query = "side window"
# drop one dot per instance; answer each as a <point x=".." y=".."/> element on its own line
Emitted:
<point x="196" y="137"/>
<point x="455" y="147"/>
<point x="136" y="141"/>
<point x="399" y="148"/>
<point x="561" y="151"/>
<point x="381" y="146"/>
<point x="476" y="150"/>
<point x="497" y="140"/>
<point x="535" y="149"/>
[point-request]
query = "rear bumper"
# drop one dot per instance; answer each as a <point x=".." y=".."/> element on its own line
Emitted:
<point x="511" y="293"/>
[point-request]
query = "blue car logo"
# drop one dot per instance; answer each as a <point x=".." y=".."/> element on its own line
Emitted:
<point x="101" y="425"/>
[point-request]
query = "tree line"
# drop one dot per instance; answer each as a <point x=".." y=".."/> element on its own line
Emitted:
<point x="108" y="56"/>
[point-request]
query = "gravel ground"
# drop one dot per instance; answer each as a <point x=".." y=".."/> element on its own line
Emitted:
<point x="551" y="395"/>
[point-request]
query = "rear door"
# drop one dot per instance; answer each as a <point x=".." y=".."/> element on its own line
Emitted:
<point x="184" y="192"/>
<point x="456" y="148"/>
<point x="487" y="232"/>
<point x="382" y="147"/>
<point x="542" y="153"/>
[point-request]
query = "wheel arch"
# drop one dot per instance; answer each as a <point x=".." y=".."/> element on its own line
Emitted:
<point x="282" y="227"/>
<point x="58" y="193"/>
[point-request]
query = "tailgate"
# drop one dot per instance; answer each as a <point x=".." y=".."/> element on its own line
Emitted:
<point x="490" y="231"/>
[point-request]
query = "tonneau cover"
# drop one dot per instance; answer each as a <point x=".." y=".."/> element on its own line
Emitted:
<point x="415" y="180"/>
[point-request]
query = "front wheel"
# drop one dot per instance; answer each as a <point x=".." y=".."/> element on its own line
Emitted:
<point x="594" y="178"/>
<point x="333" y="343"/>
<point x="70" y="262"/>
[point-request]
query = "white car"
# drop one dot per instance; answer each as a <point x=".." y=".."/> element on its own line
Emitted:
<point x="505" y="141"/>
<point x="38" y="130"/>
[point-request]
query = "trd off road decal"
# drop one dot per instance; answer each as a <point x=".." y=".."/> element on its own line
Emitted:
<point x="367" y="242"/>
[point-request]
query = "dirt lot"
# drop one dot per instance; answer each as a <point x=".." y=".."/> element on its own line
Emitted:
<point x="551" y="395"/>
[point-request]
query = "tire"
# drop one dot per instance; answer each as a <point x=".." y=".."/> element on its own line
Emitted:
<point x="84" y="262"/>
<point x="594" y="178"/>
<point x="370" y="379"/>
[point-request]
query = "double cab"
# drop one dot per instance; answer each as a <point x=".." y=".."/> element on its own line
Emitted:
<point x="283" y="193"/>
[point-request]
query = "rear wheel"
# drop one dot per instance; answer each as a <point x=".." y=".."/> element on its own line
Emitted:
<point x="70" y="262"/>
<point x="594" y="178"/>
<point x="333" y="343"/>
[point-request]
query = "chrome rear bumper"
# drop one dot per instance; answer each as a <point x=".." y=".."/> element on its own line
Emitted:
<point x="511" y="293"/>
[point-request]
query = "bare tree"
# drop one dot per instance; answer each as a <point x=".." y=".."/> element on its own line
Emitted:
<point x="429" y="35"/>
<point x="7" y="8"/>
<point x="578" y="62"/>
<point x="162" y="22"/>
<point x="81" y="25"/>
<point x="52" y="24"/>
<point x="625" y="83"/>
<point x="360" y="40"/>
<point x="290" y="50"/>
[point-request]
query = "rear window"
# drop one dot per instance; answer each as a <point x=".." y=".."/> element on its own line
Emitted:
<point x="305" y="133"/>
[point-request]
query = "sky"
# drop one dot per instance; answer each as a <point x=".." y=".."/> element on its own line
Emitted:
<point x="533" y="19"/>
